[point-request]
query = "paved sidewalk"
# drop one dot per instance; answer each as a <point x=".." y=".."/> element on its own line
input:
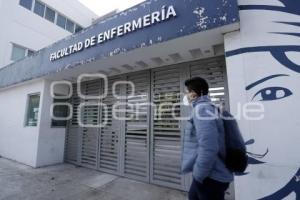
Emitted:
<point x="68" y="182"/>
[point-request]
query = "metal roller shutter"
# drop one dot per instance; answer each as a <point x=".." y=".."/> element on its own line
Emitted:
<point x="136" y="154"/>
<point x="109" y="143"/>
<point x="90" y="118"/>
<point x="73" y="131"/>
<point x="166" y="133"/>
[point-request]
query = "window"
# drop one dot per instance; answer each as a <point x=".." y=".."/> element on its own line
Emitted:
<point x="78" y="28"/>
<point x="39" y="8"/>
<point x="26" y="4"/>
<point x="17" y="53"/>
<point x="60" y="111"/>
<point x="33" y="110"/>
<point x="50" y="15"/>
<point x="61" y="21"/>
<point x="70" y="26"/>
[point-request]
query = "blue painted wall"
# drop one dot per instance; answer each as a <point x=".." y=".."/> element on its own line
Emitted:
<point x="216" y="13"/>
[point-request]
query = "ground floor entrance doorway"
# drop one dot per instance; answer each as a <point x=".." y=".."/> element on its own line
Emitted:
<point x="146" y="144"/>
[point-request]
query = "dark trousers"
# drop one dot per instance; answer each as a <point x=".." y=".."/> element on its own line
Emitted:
<point x="208" y="190"/>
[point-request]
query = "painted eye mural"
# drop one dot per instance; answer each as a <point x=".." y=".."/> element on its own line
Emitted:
<point x="279" y="53"/>
<point x="269" y="93"/>
<point x="272" y="93"/>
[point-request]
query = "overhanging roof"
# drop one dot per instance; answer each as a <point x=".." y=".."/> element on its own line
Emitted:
<point x="192" y="16"/>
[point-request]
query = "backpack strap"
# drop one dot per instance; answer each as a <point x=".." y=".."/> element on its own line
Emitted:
<point x="225" y="135"/>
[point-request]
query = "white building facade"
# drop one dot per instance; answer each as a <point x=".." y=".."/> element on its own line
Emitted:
<point x="28" y="26"/>
<point x="247" y="50"/>
<point x="32" y="25"/>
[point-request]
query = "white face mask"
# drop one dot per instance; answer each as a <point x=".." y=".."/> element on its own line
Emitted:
<point x="186" y="101"/>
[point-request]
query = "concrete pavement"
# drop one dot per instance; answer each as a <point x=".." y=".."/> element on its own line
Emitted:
<point x="68" y="182"/>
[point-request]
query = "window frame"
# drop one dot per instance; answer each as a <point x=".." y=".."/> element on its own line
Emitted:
<point x="12" y="51"/>
<point x="74" y="25"/>
<point x="60" y="15"/>
<point x="20" y="46"/>
<point x="55" y="14"/>
<point x="41" y="3"/>
<point x="23" y="6"/>
<point x="26" y="124"/>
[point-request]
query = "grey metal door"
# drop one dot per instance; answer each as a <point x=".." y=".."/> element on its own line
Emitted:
<point x="165" y="130"/>
<point x="109" y="159"/>
<point x="90" y="118"/>
<point x="73" y="132"/>
<point x="167" y="92"/>
<point x="136" y="127"/>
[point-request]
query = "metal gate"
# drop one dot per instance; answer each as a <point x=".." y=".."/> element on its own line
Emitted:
<point x="145" y="143"/>
<point x="137" y="130"/>
<point x="109" y="158"/>
<point x="90" y="116"/>
<point x="166" y="133"/>
<point x="72" y="142"/>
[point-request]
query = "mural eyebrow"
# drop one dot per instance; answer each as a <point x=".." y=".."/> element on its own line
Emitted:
<point x="263" y="80"/>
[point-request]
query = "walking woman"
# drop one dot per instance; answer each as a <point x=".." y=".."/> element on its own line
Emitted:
<point x="204" y="145"/>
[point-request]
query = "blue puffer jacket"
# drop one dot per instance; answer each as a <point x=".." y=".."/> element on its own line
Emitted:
<point x="204" y="143"/>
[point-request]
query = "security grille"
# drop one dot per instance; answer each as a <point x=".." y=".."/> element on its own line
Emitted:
<point x="137" y="126"/>
<point x="72" y="135"/>
<point x="90" y="119"/>
<point x="166" y="139"/>
<point x="109" y="143"/>
<point x="147" y="144"/>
